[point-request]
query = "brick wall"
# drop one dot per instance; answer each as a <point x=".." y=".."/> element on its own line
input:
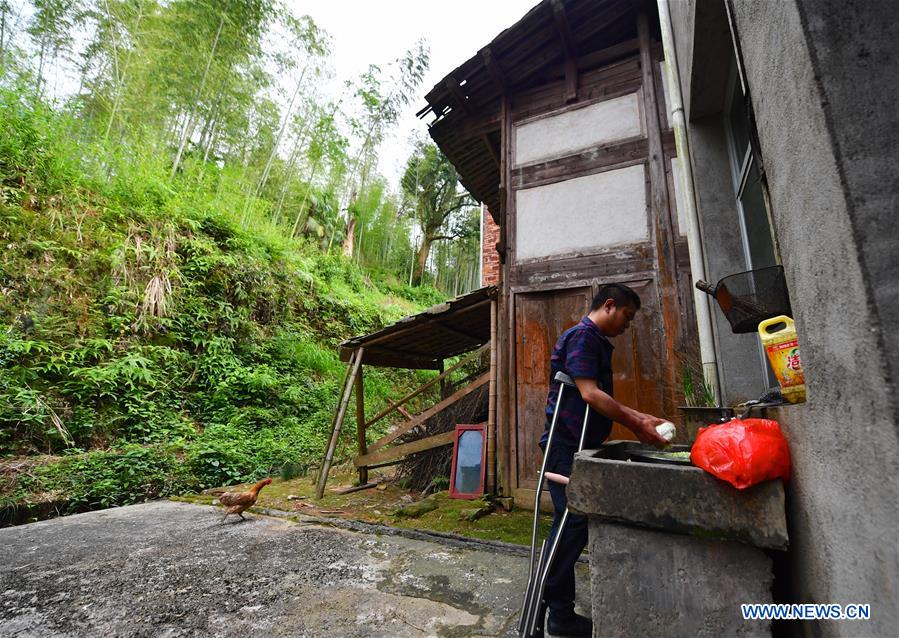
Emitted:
<point x="491" y="265"/>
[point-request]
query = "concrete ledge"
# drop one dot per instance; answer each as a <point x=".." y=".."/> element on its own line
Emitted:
<point x="676" y="498"/>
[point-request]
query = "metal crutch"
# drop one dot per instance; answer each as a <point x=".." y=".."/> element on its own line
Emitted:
<point x="543" y="568"/>
<point x="533" y="594"/>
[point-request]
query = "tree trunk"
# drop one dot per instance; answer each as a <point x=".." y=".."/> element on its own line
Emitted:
<point x="40" y="67"/>
<point x="188" y="128"/>
<point x="3" y="38"/>
<point x="301" y="211"/>
<point x="281" y="129"/>
<point x="350" y="239"/>
<point x="421" y="260"/>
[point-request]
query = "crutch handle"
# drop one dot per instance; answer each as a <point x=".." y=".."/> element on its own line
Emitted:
<point x="556" y="478"/>
<point x="564" y="378"/>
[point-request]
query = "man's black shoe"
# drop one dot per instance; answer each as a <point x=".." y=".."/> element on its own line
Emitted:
<point x="574" y="626"/>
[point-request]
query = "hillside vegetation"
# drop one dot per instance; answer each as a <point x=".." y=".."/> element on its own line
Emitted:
<point x="152" y="341"/>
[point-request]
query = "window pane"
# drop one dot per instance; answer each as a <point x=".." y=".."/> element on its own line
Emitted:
<point x="755" y="218"/>
<point x="739" y="125"/>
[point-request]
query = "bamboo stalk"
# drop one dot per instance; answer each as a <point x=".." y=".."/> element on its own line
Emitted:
<point x="338" y="423"/>
<point x="360" y="425"/>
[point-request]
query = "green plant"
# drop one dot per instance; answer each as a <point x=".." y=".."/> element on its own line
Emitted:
<point x="698" y="392"/>
<point x="290" y="471"/>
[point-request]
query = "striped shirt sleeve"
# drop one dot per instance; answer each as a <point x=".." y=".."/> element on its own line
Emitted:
<point x="582" y="357"/>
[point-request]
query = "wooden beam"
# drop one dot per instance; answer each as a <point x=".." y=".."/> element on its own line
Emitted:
<point x="385" y="360"/>
<point x="563" y="28"/>
<point x="495" y="70"/>
<point x="466" y="127"/>
<point x="412" y="354"/>
<point x="453" y="86"/>
<point x="419" y="361"/>
<point x="444" y="386"/>
<point x="349" y="380"/>
<point x="384" y="464"/>
<point x="490" y="475"/>
<point x="427" y="414"/>
<point x="494" y="153"/>
<point x="609" y="54"/>
<point x="660" y="215"/>
<point x="456" y="90"/>
<point x="354" y="488"/>
<point x="405" y="449"/>
<point x="395" y="406"/>
<point x="568" y="50"/>
<point x="458" y="333"/>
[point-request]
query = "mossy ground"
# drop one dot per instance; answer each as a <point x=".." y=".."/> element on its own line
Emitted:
<point x="377" y="506"/>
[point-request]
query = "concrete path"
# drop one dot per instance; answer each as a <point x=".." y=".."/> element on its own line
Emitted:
<point x="169" y="569"/>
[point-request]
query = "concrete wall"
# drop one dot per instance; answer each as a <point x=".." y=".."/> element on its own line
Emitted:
<point x="825" y="86"/>
<point x="740" y="368"/>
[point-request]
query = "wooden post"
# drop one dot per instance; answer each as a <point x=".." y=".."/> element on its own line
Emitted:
<point x="355" y="363"/>
<point x="505" y="331"/>
<point x="660" y="215"/>
<point x="443" y="385"/>
<point x="491" y="408"/>
<point x="360" y="425"/>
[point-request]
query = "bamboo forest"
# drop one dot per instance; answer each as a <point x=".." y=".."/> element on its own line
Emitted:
<point x="192" y="219"/>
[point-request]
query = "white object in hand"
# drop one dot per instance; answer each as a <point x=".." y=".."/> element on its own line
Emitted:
<point x="666" y="430"/>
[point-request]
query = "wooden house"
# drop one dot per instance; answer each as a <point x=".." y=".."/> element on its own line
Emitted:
<point x="559" y="127"/>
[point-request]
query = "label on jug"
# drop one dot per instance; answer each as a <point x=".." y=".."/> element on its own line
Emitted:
<point x="785" y="362"/>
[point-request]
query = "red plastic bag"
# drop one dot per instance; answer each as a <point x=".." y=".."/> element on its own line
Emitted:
<point x="743" y="452"/>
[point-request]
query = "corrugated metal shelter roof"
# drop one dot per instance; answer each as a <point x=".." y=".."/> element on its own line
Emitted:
<point x="530" y="53"/>
<point x="424" y="340"/>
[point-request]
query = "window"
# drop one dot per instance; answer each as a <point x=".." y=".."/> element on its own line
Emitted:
<point x="749" y="196"/>
<point x="755" y="226"/>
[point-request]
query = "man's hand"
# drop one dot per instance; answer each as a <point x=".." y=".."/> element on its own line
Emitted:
<point x="641" y="424"/>
<point x="644" y="428"/>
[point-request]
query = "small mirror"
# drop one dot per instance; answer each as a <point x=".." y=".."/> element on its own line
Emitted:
<point x="467" y="479"/>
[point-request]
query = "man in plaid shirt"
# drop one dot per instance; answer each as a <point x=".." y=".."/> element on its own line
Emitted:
<point x="584" y="353"/>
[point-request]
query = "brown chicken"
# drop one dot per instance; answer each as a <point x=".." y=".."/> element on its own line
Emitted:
<point x="237" y="502"/>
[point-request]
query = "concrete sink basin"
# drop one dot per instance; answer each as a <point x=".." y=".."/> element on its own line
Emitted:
<point x="615" y="483"/>
<point x="673" y="550"/>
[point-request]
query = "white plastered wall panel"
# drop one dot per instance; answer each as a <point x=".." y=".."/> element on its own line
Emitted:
<point x="582" y="215"/>
<point x="578" y="129"/>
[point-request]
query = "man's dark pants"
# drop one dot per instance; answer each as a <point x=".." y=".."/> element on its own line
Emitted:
<point x="559" y="591"/>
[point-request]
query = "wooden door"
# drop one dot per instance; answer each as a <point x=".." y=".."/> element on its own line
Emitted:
<point x="637" y="360"/>
<point x="539" y="320"/>
<point x="636" y="363"/>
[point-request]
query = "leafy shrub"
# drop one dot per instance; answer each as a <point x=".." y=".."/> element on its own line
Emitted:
<point x="106" y="478"/>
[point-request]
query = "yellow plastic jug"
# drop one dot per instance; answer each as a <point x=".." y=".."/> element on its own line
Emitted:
<point x="782" y="349"/>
